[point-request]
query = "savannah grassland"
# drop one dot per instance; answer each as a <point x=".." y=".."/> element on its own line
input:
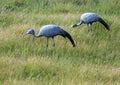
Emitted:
<point x="23" y="60"/>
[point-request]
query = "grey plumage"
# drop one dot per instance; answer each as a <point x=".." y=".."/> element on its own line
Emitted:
<point x="89" y="18"/>
<point x="50" y="31"/>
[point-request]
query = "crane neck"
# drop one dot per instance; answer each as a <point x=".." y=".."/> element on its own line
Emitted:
<point x="36" y="35"/>
<point x="80" y="23"/>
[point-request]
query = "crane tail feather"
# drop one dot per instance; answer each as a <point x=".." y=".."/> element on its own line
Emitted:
<point x="104" y="23"/>
<point x="66" y="34"/>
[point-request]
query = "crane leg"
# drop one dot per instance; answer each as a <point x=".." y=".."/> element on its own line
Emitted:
<point x="46" y="44"/>
<point x="53" y="41"/>
<point x="89" y="27"/>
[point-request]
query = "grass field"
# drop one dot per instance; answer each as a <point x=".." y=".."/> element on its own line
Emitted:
<point x="23" y="59"/>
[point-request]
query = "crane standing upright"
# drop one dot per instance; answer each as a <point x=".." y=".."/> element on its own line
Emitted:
<point x="50" y="31"/>
<point x="89" y="18"/>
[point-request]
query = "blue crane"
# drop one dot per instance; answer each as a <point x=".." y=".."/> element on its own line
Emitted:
<point x="50" y="31"/>
<point x="89" y="18"/>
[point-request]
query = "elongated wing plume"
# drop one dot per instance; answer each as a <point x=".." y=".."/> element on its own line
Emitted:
<point x="104" y="23"/>
<point x="66" y="34"/>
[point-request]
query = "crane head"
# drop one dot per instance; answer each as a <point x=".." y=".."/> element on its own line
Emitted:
<point x="30" y="31"/>
<point x="74" y="25"/>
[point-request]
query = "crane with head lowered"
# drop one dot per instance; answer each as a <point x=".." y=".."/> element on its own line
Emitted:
<point x="89" y="19"/>
<point x="50" y="31"/>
